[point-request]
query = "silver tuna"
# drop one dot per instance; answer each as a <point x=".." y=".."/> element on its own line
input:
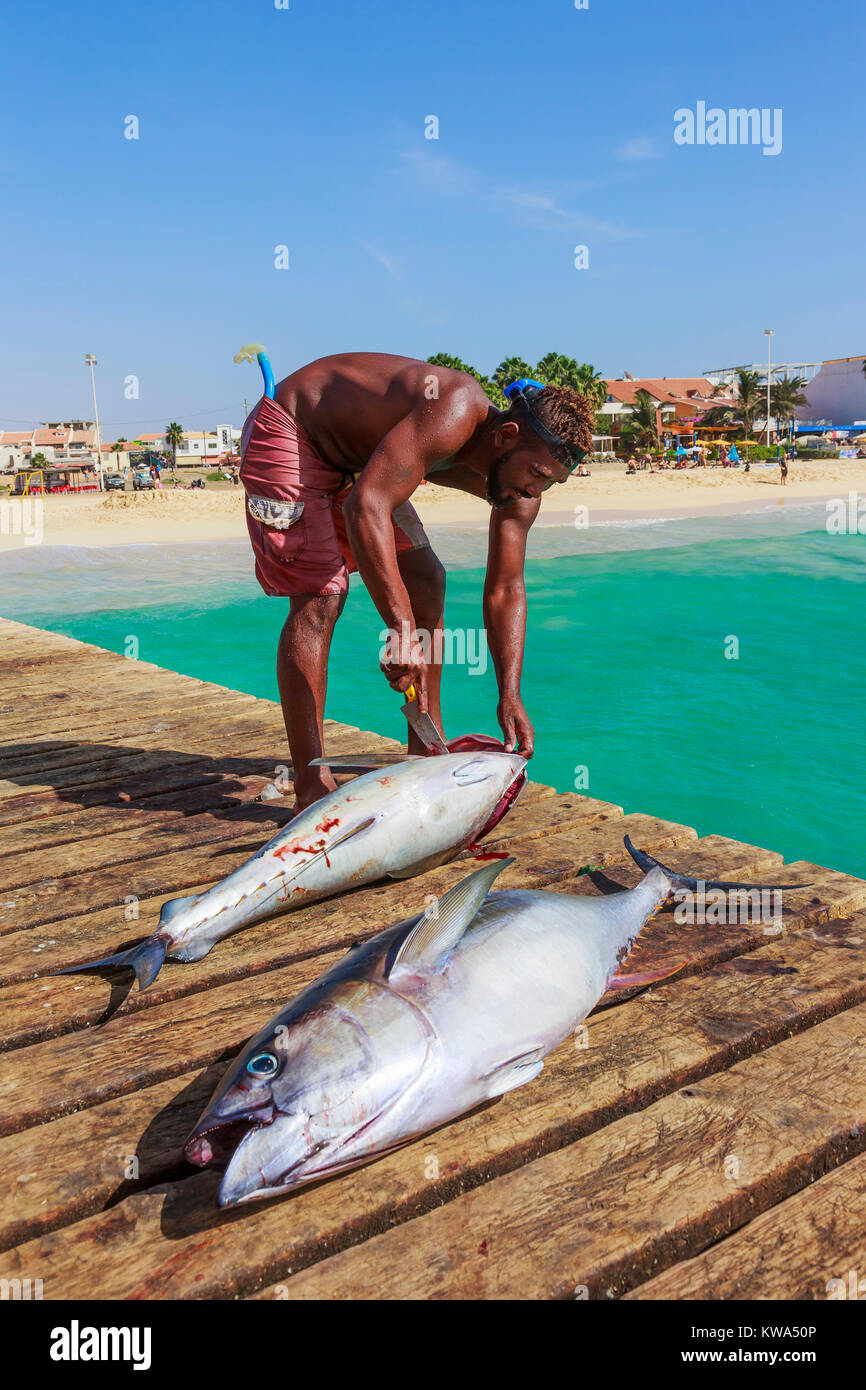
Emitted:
<point x="417" y="1026"/>
<point x="394" y="821"/>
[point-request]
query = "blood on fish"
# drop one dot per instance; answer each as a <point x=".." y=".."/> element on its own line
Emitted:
<point x="327" y="824"/>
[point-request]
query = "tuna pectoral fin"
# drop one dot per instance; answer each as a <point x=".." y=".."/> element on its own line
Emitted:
<point x="438" y="930"/>
<point x="644" y="977"/>
<point x="513" y="1073"/>
<point x="146" y="960"/>
<point x="646" y="862"/>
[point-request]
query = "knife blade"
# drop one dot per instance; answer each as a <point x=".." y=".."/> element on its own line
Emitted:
<point x="422" y="724"/>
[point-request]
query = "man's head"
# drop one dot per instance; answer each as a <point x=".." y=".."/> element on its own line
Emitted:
<point x="538" y="442"/>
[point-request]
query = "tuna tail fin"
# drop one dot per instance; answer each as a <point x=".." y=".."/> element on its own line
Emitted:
<point x="646" y="862"/>
<point x="146" y="959"/>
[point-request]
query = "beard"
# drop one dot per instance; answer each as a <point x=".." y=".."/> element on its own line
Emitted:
<point x="495" y="492"/>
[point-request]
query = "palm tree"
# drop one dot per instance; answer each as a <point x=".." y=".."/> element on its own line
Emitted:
<point x="591" y="383"/>
<point x="175" y="440"/>
<point x="786" y="396"/>
<point x="117" y="447"/>
<point x="511" y="369"/>
<point x="641" y="430"/>
<point x="752" y="392"/>
<point x="559" y="370"/>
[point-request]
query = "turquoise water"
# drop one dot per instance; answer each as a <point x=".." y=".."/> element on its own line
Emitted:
<point x="626" y="672"/>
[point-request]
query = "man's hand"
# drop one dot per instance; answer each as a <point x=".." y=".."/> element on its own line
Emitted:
<point x="514" y="722"/>
<point x="400" y="675"/>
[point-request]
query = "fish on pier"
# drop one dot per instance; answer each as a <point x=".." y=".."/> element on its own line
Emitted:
<point x="418" y="1025"/>
<point x="393" y="821"/>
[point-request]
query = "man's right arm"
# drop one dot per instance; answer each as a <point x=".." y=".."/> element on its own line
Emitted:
<point x="429" y="434"/>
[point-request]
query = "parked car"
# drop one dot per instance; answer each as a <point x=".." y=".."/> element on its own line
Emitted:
<point x="141" y="479"/>
<point x="113" y="482"/>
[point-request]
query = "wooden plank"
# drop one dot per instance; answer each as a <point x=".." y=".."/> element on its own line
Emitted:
<point x="173" y="775"/>
<point x="728" y="1014"/>
<point x="630" y="1062"/>
<point x="81" y="823"/>
<point x="60" y="1172"/>
<point x="192" y="736"/>
<point x="66" y="862"/>
<point x="109" y="765"/>
<point x="52" y="899"/>
<point x="162" y="712"/>
<point x="165" y="780"/>
<point x="600" y="1215"/>
<point x="812" y="1246"/>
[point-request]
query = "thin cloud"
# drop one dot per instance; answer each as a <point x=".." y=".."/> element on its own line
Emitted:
<point x="387" y="262"/>
<point x="440" y="175"/>
<point x="641" y="147"/>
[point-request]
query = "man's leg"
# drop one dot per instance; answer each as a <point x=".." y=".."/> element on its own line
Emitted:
<point x="302" y="675"/>
<point x="424" y="576"/>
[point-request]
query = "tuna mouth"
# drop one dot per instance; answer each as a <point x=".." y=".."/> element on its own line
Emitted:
<point x="214" y="1145"/>
<point x="503" y="805"/>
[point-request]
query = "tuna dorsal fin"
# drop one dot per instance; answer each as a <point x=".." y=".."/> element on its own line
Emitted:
<point x="438" y="930"/>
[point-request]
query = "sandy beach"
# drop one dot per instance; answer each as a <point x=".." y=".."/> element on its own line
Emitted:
<point x="172" y="517"/>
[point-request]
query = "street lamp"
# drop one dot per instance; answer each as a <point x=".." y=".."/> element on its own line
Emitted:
<point x="769" y="335"/>
<point x="90" y="361"/>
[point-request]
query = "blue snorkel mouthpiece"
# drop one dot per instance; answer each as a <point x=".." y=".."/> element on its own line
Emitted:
<point x="257" y="352"/>
<point x="526" y="392"/>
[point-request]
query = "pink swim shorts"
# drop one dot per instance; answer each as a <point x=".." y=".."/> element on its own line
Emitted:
<point x="294" y="508"/>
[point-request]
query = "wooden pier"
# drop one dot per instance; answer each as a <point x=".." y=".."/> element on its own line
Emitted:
<point x="704" y="1139"/>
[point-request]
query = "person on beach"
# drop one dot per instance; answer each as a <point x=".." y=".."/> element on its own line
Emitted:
<point x="329" y="466"/>
<point x="783" y="469"/>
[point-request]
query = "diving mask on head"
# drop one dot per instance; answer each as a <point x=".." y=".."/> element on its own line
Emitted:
<point x="527" y="392"/>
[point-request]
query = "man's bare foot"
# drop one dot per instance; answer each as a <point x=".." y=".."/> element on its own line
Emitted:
<point x="317" y="783"/>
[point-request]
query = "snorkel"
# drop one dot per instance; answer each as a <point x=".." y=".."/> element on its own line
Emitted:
<point x="256" y="351"/>
<point x="526" y="391"/>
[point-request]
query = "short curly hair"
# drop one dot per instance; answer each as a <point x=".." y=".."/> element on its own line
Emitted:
<point x="568" y="414"/>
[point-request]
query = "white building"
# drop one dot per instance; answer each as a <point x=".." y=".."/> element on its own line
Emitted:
<point x="837" y="395"/>
<point x="202" y="445"/>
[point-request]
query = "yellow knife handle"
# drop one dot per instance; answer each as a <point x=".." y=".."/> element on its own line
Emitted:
<point x="411" y="693"/>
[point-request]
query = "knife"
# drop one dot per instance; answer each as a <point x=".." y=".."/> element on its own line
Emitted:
<point x="422" y="724"/>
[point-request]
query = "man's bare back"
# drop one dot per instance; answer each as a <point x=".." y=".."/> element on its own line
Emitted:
<point x="348" y="403"/>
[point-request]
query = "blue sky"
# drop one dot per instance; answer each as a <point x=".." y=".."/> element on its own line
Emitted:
<point x="306" y="127"/>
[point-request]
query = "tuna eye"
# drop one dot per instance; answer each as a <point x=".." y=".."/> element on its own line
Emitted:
<point x="263" y="1064"/>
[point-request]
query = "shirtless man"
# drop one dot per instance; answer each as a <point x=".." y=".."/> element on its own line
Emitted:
<point x="329" y="466"/>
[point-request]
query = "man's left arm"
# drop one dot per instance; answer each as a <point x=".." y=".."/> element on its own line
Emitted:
<point x="505" y="617"/>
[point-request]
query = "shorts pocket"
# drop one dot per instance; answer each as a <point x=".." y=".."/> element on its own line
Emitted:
<point x="282" y="526"/>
